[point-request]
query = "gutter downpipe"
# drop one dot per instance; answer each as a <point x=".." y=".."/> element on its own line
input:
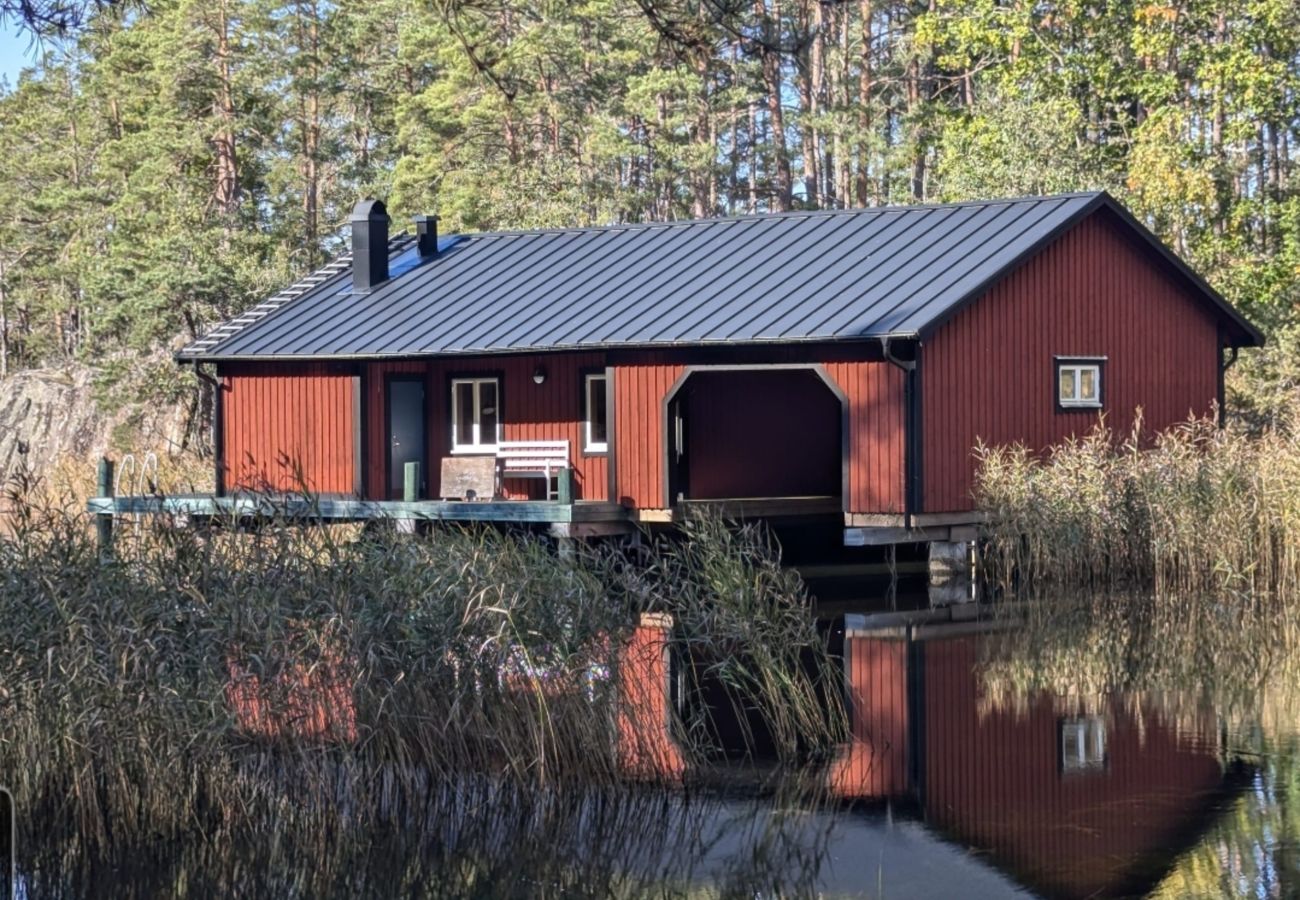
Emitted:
<point x="219" y="487"/>
<point x="912" y="423"/>
<point x="1224" y="366"/>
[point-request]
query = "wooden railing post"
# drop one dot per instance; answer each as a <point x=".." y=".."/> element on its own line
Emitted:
<point x="410" y="494"/>
<point x="411" y="482"/>
<point x="104" y="521"/>
<point x="564" y="486"/>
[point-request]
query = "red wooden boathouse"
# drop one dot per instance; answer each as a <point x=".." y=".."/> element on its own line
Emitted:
<point x="809" y="362"/>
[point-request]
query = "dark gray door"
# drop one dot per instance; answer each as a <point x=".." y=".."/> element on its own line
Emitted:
<point x="406" y="431"/>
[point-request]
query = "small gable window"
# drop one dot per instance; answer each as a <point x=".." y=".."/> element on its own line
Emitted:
<point x="595" y="437"/>
<point x="1079" y="382"/>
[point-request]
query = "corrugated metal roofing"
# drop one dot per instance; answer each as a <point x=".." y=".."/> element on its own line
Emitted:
<point x="809" y="276"/>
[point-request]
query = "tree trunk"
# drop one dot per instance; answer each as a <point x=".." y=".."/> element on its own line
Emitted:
<point x="227" y="186"/>
<point x="783" y="186"/>
<point x="702" y="182"/>
<point x="753" y="157"/>
<point x="864" y="106"/>
<point x="4" y="323"/>
<point x="810" y="86"/>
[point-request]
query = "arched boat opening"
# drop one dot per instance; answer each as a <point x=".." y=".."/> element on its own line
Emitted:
<point x="771" y="434"/>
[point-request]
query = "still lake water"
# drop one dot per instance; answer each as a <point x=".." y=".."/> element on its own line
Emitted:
<point x="952" y="787"/>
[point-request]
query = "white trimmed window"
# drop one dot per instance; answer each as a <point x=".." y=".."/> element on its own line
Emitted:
<point x="1083" y="744"/>
<point x="475" y="415"/>
<point x="595" y="427"/>
<point x="1078" y="383"/>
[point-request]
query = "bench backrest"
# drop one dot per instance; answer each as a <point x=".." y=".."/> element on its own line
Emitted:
<point x="530" y="453"/>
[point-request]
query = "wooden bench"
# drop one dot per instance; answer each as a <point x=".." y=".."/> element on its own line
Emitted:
<point x="534" y="459"/>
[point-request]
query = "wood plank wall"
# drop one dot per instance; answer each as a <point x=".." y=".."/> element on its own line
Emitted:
<point x="639" y="442"/>
<point x="989" y="373"/>
<point x="550" y="411"/>
<point x="282" y="419"/>
<point x="305" y="412"/>
<point x="877" y="434"/>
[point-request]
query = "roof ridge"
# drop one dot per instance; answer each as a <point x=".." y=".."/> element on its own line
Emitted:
<point x="314" y="279"/>
<point x="788" y="214"/>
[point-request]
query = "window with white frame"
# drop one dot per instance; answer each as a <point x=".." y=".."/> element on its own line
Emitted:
<point x="1078" y="382"/>
<point x="1083" y="744"/>
<point x="595" y="432"/>
<point x="475" y="415"/>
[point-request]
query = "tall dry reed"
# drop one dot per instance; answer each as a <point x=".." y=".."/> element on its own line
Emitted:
<point x="1199" y="510"/>
<point x="462" y="651"/>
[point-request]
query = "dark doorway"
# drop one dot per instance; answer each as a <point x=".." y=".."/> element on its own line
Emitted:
<point x="406" y="432"/>
<point x="754" y="434"/>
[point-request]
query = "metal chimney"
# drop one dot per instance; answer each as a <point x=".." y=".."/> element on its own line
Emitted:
<point x="369" y="245"/>
<point x="426" y="230"/>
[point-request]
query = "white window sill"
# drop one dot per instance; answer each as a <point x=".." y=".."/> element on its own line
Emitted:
<point x="1078" y="404"/>
<point x="596" y="448"/>
<point x="475" y="450"/>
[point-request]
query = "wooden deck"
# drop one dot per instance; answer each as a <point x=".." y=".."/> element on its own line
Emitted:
<point x="341" y="508"/>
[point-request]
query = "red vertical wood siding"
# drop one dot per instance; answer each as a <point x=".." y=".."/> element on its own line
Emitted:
<point x="992" y="779"/>
<point x="551" y="411"/>
<point x="278" y="420"/>
<point x="875" y="763"/>
<point x="305" y="412"/>
<point x="877" y="434"/>
<point x="988" y="374"/>
<point x="639" y="443"/>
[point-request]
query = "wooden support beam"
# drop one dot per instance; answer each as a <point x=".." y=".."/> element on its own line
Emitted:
<point x="919" y="520"/>
<point x="583" y="530"/>
<point x="339" y="507"/>
<point x="411" y="482"/>
<point x="104" y="521"/>
<point x="564" y="486"/>
<point x="410" y="494"/>
<point x="883" y="537"/>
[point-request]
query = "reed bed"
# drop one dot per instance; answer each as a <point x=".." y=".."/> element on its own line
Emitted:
<point x="378" y="667"/>
<point x="1196" y="511"/>
<point x="474" y="838"/>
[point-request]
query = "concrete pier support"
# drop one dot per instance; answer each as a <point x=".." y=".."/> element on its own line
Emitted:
<point x="952" y="572"/>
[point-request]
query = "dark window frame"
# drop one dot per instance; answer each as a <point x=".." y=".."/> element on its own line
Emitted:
<point x="1059" y="362"/>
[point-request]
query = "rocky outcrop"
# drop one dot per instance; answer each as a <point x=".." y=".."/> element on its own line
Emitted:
<point x="50" y="417"/>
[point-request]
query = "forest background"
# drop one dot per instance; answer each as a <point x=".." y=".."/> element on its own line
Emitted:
<point x="166" y="165"/>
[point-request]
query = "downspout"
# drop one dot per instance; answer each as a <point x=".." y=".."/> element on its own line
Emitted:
<point x="1224" y="366"/>
<point x="911" y="424"/>
<point x="219" y="475"/>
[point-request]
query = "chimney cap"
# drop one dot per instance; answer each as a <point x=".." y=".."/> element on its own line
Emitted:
<point x="369" y="209"/>
<point x="426" y="230"/>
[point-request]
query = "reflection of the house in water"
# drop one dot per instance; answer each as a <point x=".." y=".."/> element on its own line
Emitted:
<point x="1070" y="802"/>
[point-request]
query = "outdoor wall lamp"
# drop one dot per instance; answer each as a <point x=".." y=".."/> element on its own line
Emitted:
<point x="539" y="375"/>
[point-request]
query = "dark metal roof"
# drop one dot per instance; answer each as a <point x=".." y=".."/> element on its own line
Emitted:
<point x="803" y="276"/>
